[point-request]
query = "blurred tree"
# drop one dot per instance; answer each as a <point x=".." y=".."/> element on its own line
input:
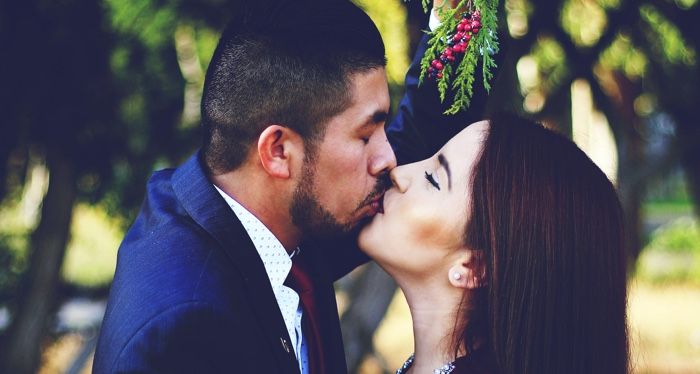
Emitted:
<point x="630" y="54"/>
<point x="103" y="93"/>
<point x="58" y="103"/>
<point x="94" y="91"/>
<point x="672" y="43"/>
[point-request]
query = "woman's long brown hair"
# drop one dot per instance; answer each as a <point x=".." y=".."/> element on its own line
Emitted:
<point x="549" y="225"/>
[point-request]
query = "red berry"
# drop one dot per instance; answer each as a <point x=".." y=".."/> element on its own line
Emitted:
<point x="476" y="24"/>
<point x="438" y="65"/>
<point x="475" y="30"/>
<point x="439" y="75"/>
<point x="434" y="63"/>
<point x="457" y="37"/>
<point x="467" y="37"/>
<point x="467" y="27"/>
<point x="450" y="58"/>
<point x="448" y="51"/>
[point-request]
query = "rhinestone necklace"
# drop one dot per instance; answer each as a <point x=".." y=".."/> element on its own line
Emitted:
<point x="444" y="369"/>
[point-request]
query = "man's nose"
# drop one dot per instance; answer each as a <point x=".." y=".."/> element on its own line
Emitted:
<point x="384" y="159"/>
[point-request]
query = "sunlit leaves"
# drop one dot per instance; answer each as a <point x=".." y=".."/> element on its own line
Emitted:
<point x="91" y="255"/>
<point x="666" y="39"/>
<point x="517" y="14"/>
<point x="622" y="55"/>
<point x="390" y="17"/>
<point x="206" y="44"/>
<point x="584" y="21"/>
<point x="551" y="61"/>
<point x="142" y="19"/>
<point x="541" y="72"/>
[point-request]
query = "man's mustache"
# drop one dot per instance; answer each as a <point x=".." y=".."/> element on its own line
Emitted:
<point x="383" y="184"/>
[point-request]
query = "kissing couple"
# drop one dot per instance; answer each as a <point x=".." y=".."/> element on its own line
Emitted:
<point x="504" y="237"/>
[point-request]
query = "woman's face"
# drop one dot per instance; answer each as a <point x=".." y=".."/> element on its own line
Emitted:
<point x="425" y="213"/>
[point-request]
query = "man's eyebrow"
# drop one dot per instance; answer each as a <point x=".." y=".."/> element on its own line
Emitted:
<point x="443" y="161"/>
<point x="376" y="118"/>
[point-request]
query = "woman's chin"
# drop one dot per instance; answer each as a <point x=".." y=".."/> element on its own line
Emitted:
<point x="370" y="240"/>
<point x="364" y="239"/>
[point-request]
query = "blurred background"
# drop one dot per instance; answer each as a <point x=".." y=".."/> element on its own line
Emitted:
<point x="97" y="94"/>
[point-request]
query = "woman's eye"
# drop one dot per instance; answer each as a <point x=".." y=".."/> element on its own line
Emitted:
<point x="432" y="180"/>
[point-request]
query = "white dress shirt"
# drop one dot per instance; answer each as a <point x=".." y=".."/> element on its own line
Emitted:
<point x="277" y="264"/>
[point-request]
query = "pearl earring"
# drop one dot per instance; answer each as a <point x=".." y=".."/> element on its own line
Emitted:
<point x="457" y="276"/>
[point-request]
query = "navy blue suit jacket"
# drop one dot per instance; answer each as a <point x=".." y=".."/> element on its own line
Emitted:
<point x="190" y="293"/>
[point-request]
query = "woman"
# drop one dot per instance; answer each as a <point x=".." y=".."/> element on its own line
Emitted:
<point x="508" y="247"/>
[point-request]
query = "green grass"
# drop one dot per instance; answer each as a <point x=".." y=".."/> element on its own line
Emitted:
<point x="673" y="254"/>
<point x="91" y="255"/>
<point x="664" y="208"/>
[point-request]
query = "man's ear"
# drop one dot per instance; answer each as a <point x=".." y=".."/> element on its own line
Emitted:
<point x="468" y="270"/>
<point x="278" y="146"/>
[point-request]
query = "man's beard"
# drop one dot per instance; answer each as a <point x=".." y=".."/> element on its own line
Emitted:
<point x="312" y="218"/>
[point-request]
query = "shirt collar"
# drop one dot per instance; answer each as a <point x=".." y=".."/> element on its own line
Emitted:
<point x="274" y="256"/>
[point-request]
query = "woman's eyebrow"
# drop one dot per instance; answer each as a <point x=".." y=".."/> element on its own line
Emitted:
<point x="443" y="162"/>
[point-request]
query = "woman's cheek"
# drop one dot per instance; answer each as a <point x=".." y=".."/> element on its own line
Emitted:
<point x="436" y="227"/>
<point x="423" y="223"/>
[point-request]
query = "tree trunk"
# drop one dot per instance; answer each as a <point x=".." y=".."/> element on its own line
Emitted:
<point x="370" y="295"/>
<point x="632" y="185"/>
<point x="24" y="341"/>
<point x="688" y="132"/>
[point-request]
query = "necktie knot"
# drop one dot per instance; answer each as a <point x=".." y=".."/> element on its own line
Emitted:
<point x="298" y="278"/>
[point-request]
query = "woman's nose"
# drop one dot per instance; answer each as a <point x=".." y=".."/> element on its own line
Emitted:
<point x="399" y="178"/>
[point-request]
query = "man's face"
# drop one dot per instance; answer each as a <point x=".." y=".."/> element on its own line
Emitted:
<point x="345" y="176"/>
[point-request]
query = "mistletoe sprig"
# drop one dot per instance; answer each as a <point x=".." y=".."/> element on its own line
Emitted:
<point x="458" y="75"/>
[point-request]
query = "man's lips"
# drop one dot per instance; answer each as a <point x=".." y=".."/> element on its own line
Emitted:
<point x="378" y="204"/>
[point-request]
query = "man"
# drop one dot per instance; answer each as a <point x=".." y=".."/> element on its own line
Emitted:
<point x="293" y="111"/>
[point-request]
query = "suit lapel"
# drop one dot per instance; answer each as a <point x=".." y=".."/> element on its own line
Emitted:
<point x="209" y="210"/>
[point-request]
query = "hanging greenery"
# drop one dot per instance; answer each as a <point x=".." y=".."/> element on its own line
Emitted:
<point x="467" y="34"/>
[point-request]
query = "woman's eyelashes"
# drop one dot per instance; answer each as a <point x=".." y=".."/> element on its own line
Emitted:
<point x="432" y="180"/>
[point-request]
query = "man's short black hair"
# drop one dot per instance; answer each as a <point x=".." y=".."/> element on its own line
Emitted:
<point x="285" y="62"/>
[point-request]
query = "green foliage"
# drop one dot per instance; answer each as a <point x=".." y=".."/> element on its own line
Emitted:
<point x="206" y="44"/>
<point x="584" y="21"/>
<point x="622" y="55"/>
<point x="551" y="63"/>
<point x="92" y="252"/>
<point x="680" y="236"/>
<point x="666" y="38"/>
<point x="484" y="46"/>
<point x="14" y="241"/>
<point x="390" y="17"/>
<point x="673" y="254"/>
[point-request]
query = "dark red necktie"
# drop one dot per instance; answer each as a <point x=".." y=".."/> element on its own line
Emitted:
<point x="300" y="281"/>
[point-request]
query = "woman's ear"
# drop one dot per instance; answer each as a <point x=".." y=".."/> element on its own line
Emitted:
<point x="468" y="270"/>
<point x="277" y="148"/>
